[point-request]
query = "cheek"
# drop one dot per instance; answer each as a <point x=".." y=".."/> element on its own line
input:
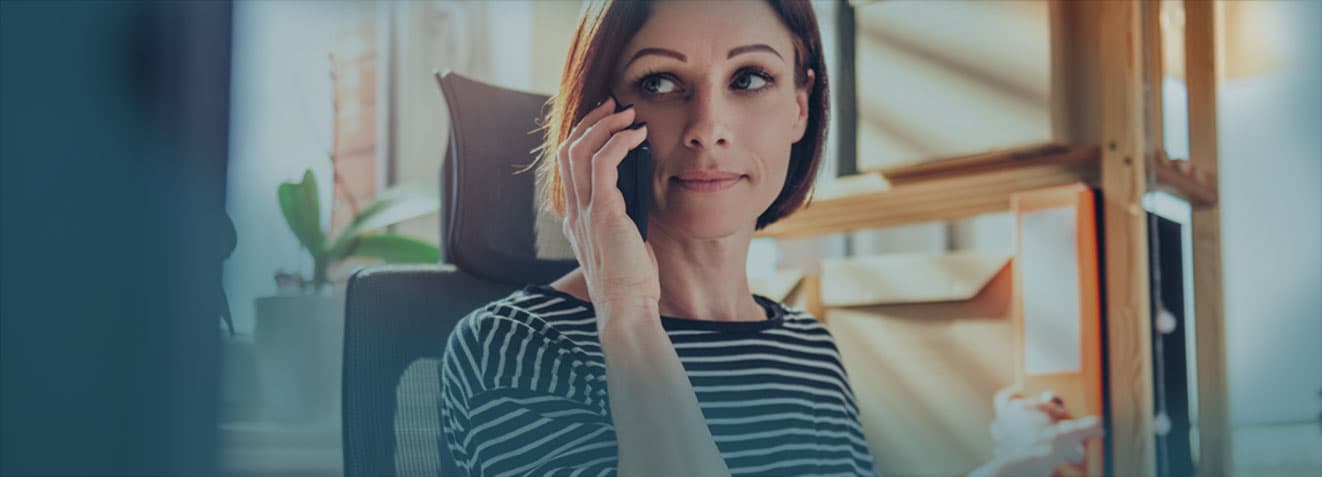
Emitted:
<point x="770" y="150"/>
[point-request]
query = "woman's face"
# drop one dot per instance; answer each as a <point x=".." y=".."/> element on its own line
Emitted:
<point x="715" y="83"/>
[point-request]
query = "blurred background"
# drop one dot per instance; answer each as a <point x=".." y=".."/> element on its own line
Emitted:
<point x="165" y="160"/>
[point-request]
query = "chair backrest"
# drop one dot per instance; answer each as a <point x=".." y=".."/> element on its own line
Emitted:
<point x="491" y="232"/>
<point x="398" y="317"/>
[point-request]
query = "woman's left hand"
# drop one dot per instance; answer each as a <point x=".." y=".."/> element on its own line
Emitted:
<point x="1035" y="436"/>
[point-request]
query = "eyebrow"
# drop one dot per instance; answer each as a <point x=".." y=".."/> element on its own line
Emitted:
<point x="680" y="56"/>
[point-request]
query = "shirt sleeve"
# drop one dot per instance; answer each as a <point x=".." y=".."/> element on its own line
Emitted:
<point x="522" y="401"/>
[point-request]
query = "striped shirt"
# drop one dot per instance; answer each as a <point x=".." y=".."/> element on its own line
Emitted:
<point x="524" y="391"/>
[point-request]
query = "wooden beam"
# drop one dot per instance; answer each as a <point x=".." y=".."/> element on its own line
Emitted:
<point x="944" y="198"/>
<point x="972" y="163"/>
<point x="1125" y="149"/>
<point x="1183" y="179"/>
<point x="1203" y="66"/>
<point x="1075" y="87"/>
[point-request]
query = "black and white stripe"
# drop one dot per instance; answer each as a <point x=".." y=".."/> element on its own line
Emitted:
<point x="524" y="391"/>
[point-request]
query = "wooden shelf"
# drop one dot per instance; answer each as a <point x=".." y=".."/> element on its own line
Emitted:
<point x="952" y="194"/>
<point x="973" y="163"/>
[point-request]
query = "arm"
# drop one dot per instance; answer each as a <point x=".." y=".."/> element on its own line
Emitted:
<point x="506" y="408"/>
<point x="660" y="428"/>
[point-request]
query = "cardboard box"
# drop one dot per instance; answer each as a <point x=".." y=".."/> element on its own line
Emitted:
<point x="927" y="341"/>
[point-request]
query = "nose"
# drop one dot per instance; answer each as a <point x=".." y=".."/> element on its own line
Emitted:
<point x="706" y="129"/>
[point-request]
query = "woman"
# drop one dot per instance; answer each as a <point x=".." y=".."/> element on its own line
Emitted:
<point x="653" y="357"/>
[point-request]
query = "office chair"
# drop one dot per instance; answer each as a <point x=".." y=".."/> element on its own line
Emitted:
<point x="398" y="317"/>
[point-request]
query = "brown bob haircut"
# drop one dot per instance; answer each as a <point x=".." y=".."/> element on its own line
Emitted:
<point x="604" y="29"/>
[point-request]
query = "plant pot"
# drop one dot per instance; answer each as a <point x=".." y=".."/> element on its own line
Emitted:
<point x="299" y="340"/>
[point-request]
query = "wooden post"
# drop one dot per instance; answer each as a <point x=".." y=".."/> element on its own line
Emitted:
<point x="1203" y="66"/>
<point x="1124" y="181"/>
<point x="1098" y="80"/>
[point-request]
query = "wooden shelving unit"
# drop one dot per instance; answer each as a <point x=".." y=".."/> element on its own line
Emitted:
<point x="1106" y="114"/>
<point x="984" y="186"/>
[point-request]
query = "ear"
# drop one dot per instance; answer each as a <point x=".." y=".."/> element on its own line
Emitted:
<point x="801" y="99"/>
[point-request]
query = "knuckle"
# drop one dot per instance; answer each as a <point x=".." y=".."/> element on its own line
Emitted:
<point x="597" y="212"/>
<point x="606" y="150"/>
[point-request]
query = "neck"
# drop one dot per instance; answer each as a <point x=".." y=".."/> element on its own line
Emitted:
<point x="705" y="279"/>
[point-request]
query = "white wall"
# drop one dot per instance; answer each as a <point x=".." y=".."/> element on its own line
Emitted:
<point x="1271" y="199"/>
<point x="280" y="125"/>
<point x="1271" y="206"/>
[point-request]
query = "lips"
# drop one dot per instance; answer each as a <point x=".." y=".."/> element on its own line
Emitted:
<point x="707" y="176"/>
<point x="708" y="185"/>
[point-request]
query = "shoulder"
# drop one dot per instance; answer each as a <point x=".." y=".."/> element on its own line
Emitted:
<point x="520" y="344"/>
<point x="518" y="330"/>
<point x="811" y="331"/>
<point x="801" y="322"/>
<point x="522" y="313"/>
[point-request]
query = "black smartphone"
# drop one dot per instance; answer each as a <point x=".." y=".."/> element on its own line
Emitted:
<point x="635" y="183"/>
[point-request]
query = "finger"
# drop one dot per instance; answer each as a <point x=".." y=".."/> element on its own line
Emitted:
<point x="606" y="107"/>
<point x="572" y="201"/>
<point x="606" y="163"/>
<point x="567" y="182"/>
<point x="586" y="147"/>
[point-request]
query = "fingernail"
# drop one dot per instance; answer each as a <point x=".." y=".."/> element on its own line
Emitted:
<point x="637" y="125"/>
<point x="599" y="103"/>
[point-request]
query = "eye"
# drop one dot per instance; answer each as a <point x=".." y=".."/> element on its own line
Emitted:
<point x="752" y="80"/>
<point x="656" y="84"/>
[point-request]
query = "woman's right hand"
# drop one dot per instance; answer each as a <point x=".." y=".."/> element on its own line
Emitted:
<point x="619" y="266"/>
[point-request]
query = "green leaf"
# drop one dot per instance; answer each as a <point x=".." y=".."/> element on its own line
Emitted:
<point x="300" y="216"/>
<point x="313" y="218"/>
<point x="397" y="205"/>
<point x="396" y="249"/>
<point x="392" y="206"/>
<point x="295" y="213"/>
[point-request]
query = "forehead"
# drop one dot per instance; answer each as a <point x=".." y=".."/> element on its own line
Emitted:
<point x="704" y="31"/>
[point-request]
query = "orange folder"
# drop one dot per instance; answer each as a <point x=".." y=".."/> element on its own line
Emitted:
<point x="1057" y="307"/>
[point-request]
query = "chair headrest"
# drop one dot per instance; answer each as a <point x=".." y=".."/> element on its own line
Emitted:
<point x="491" y="226"/>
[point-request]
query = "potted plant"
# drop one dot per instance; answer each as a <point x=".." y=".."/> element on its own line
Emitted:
<point x="299" y="335"/>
